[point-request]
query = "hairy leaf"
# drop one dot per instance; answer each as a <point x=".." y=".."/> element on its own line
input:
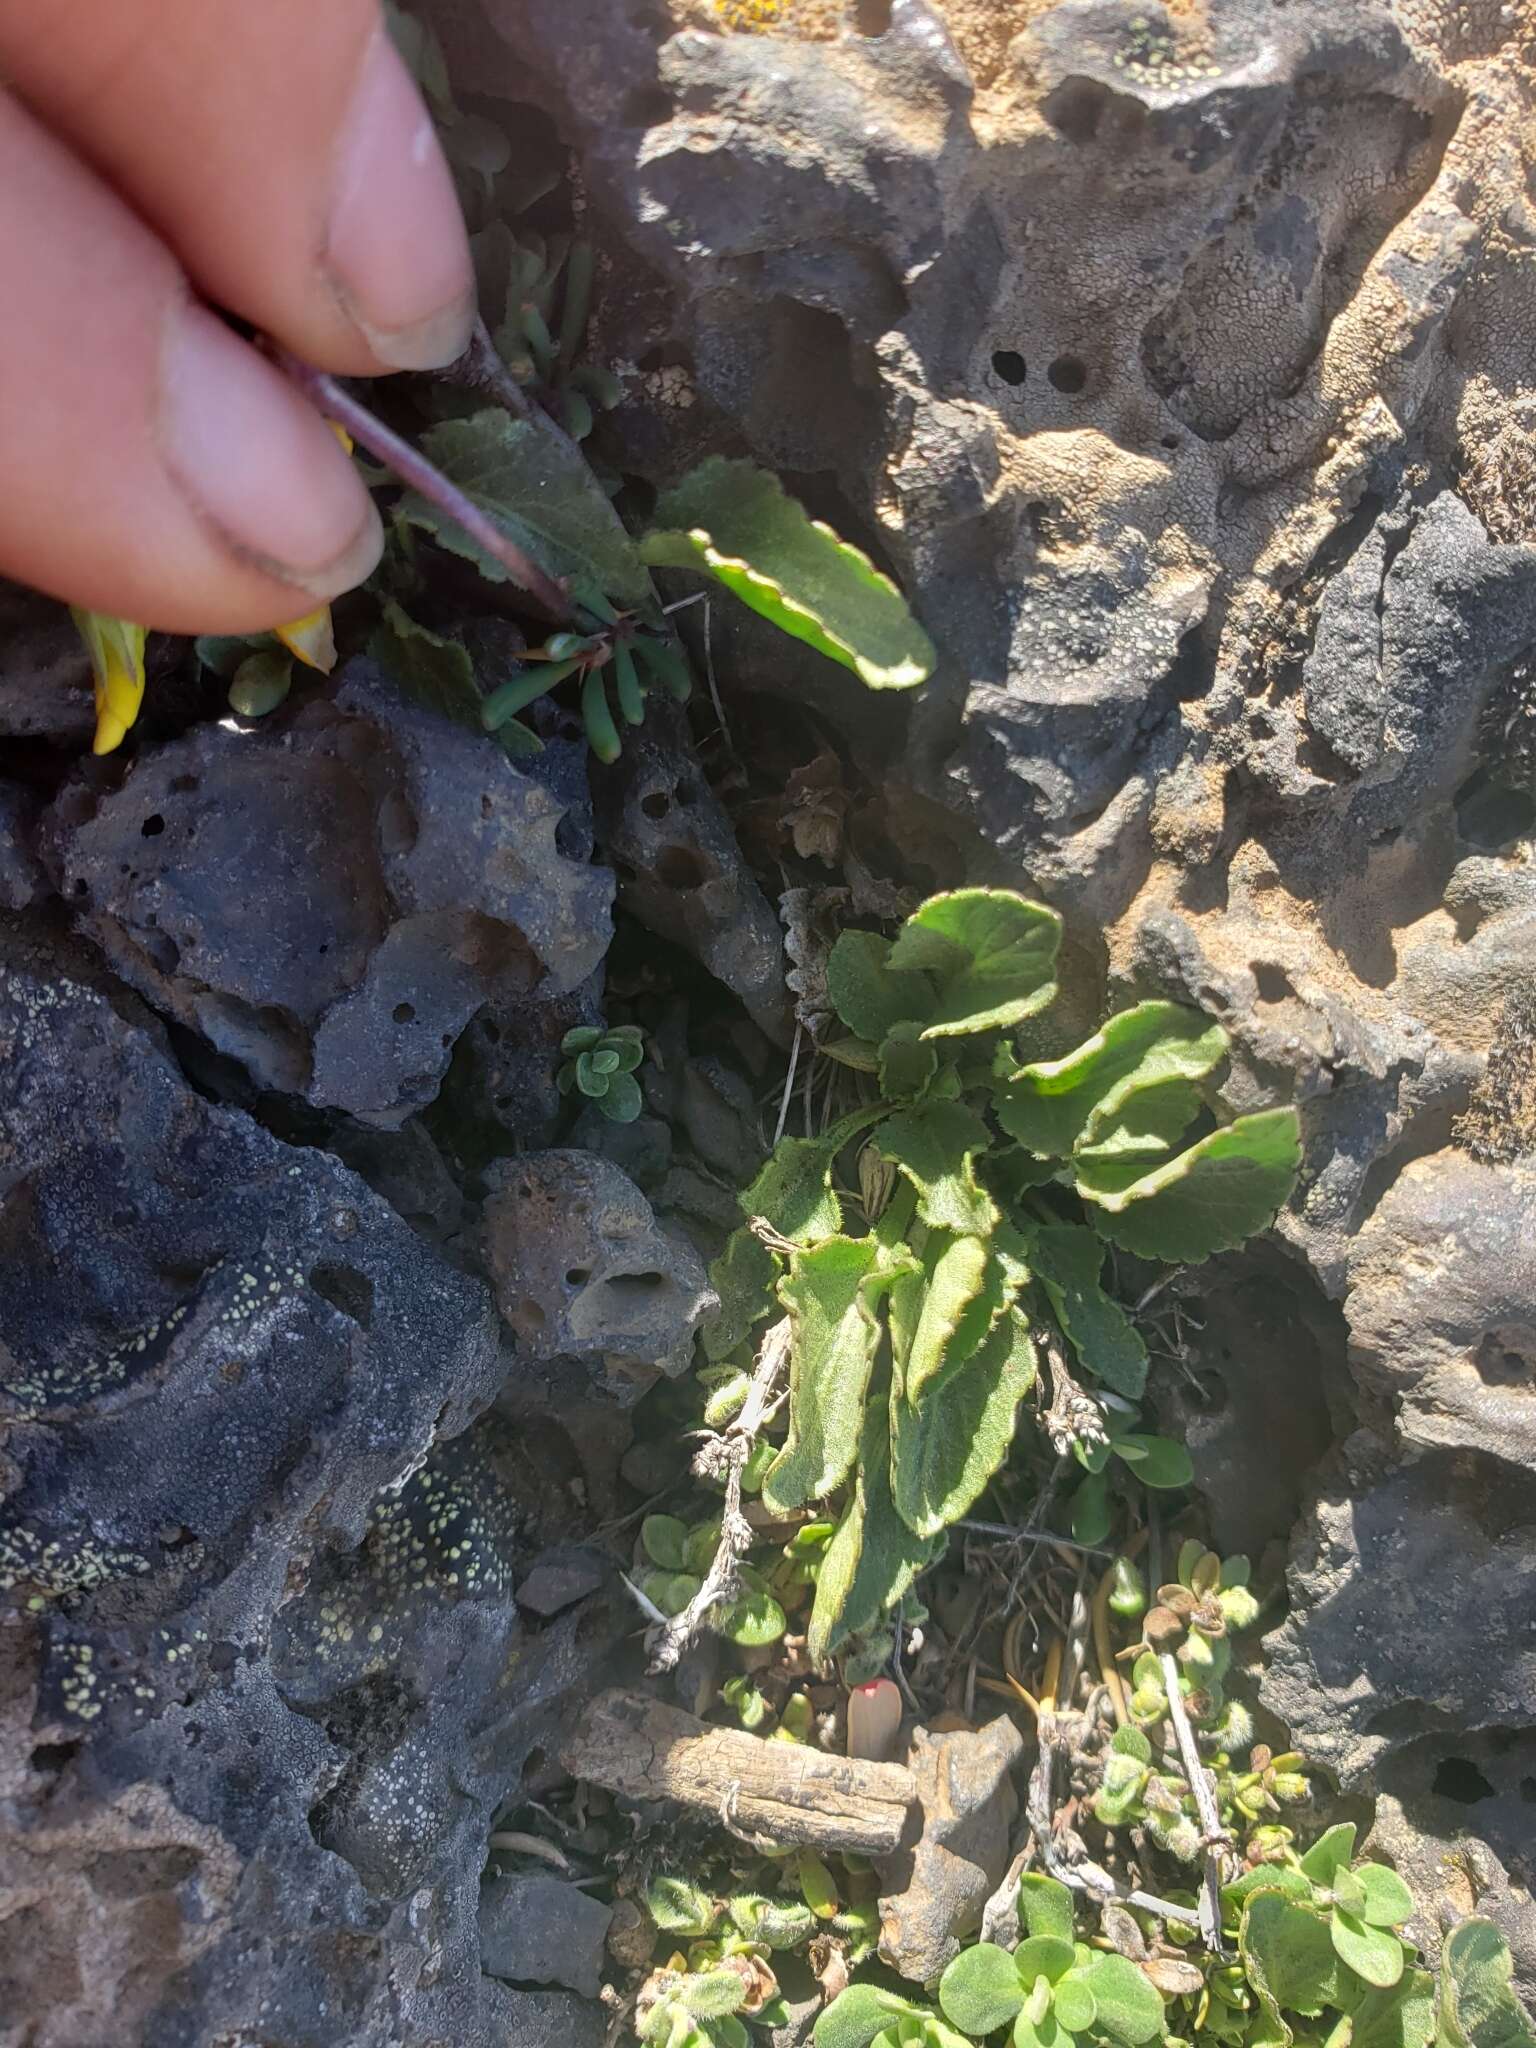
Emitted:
<point x="1045" y="1906"/>
<point x="736" y="522"/>
<point x="533" y="482"/>
<point x="1403" y="2017"/>
<point x="1207" y="1199"/>
<point x="1332" y="1852"/>
<point x="793" y="1191"/>
<point x="959" y="1268"/>
<point x="868" y="994"/>
<point x="1049" y="1104"/>
<point x="666" y="1540"/>
<point x="1288" y="1956"/>
<point x="743" y="1276"/>
<point x="944" y="1451"/>
<point x="859" y="2015"/>
<point x="992" y="954"/>
<point x="834" y="1334"/>
<point x="1373" y="1953"/>
<point x="1129" y="2009"/>
<point x="874" y="1557"/>
<point x="908" y="1062"/>
<point x="1386" y="1901"/>
<point x="1068" y="1259"/>
<point x="982" y="1989"/>
<point x="935" y="1145"/>
<point x="1478" y="2007"/>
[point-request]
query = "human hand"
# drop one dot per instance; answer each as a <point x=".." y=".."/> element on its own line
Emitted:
<point x="271" y="157"/>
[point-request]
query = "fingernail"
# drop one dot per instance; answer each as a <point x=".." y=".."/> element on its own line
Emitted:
<point x="396" y="249"/>
<point x="259" y="464"/>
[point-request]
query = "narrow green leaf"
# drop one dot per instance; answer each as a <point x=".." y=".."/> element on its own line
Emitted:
<point x="1373" y="1953"/>
<point x="1156" y="1460"/>
<point x="793" y="1191"/>
<point x="743" y="1276"/>
<point x="736" y="522"/>
<point x="959" y="1268"/>
<point x="1478" y="2007"/>
<point x="1288" y="1957"/>
<point x="1213" y="1196"/>
<point x="1129" y="2009"/>
<point x="1049" y="1104"/>
<point x="874" y="1557"/>
<point x="992" y="954"/>
<point x="935" y="1145"/>
<point x="832" y="1351"/>
<point x="944" y="1451"/>
<point x="1068" y="1259"/>
<point x="981" y="1989"/>
<point x="867" y="993"/>
<point x="535" y="485"/>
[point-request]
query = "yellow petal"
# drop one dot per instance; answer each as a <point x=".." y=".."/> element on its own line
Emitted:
<point x="116" y="648"/>
<point x="312" y="639"/>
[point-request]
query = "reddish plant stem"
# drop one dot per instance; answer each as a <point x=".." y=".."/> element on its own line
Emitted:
<point x="424" y="477"/>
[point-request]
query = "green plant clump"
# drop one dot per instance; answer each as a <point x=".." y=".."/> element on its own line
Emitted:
<point x="989" y="1190"/>
<point x="600" y="1064"/>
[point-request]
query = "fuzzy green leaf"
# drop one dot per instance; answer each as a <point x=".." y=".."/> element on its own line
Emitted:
<point x="711" y="1994"/>
<point x="1091" y="1513"/>
<point x="1373" y="1953"/>
<point x="991" y="952"/>
<point x="1129" y="2009"/>
<point x="679" y="1907"/>
<point x="535" y="485"/>
<point x="1049" y="1104"/>
<point x="1207" y="1199"/>
<point x="1403" y="2017"/>
<point x="1288" y="1956"/>
<point x="944" y="1451"/>
<point x="753" y="1621"/>
<point x="1331" y="1852"/>
<point x="1385" y="1900"/>
<point x="622" y="1101"/>
<point x="743" y="1276"/>
<point x="793" y="1191"/>
<point x="736" y="522"/>
<point x="1068" y="1259"/>
<point x="1043" y="1955"/>
<point x="1074" y="2005"/>
<point x="1045" y="1906"/>
<point x="867" y="993"/>
<point x="908" y="1062"/>
<point x="666" y="1542"/>
<point x="834" y="1334"/>
<point x="1478" y="2007"/>
<point x="859" y="2015"/>
<point x="982" y="1989"/>
<point x="874" y="1557"/>
<point x="1281" y="1877"/>
<point x="958" y="1268"/>
<point x="1157" y="1461"/>
<point x="935" y="1145"/>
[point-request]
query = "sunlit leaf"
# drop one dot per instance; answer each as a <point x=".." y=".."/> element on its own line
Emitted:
<point x="743" y="1276"/>
<point x="935" y="1145"/>
<point x="944" y="1451"/>
<point x="991" y="953"/>
<point x="834" y="1334"/>
<point x="1049" y="1104"/>
<point x="868" y="994"/>
<point x="1207" y="1199"/>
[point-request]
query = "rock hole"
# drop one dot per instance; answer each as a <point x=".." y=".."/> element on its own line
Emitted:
<point x="404" y="1013"/>
<point x="50" y="1758"/>
<point x="679" y="867"/>
<point x="635" y="1286"/>
<point x="1274" y="984"/>
<point x="528" y="1318"/>
<point x="1170" y="440"/>
<point x="1010" y="366"/>
<point x="871" y="17"/>
<point x="1068" y="374"/>
<point x="1507" y="1358"/>
<point x="657" y="804"/>
<point x="346" y="1289"/>
<point x="685" y="793"/>
<point x="647" y="106"/>
<point x="163" y="950"/>
<point x="1077" y="109"/>
<point x="183" y="785"/>
<point x="79" y="885"/>
<point x="490" y="1031"/>
<point x="152" y="826"/>
<point x="1459" y="1779"/>
<point x="577" y="1276"/>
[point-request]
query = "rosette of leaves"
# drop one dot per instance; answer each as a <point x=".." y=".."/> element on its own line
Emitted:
<point x="1051" y="1990"/>
<point x="1139" y="1788"/>
<point x="913" y="1312"/>
<point x="1194" y="1617"/>
<point x="600" y="1064"/>
<point x="678" y="1558"/>
<point x="707" y="1995"/>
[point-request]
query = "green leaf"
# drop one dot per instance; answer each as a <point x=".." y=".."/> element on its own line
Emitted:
<point x="753" y="1621"/>
<point x="1386" y="1901"/>
<point x="1045" y="1906"/>
<point x="793" y="1191"/>
<point x="857" y="2016"/>
<point x="743" y="1276"/>
<point x="1091" y="1511"/>
<point x="1288" y="1957"/>
<point x="536" y="486"/>
<point x="1156" y="1460"/>
<point x="1043" y="1955"/>
<point x="1281" y="1877"/>
<point x="1330" y="1853"/>
<point x="1129" y="2009"/>
<point x="907" y="1061"/>
<point x="1048" y="1104"/>
<point x="867" y="993"/>
<point x="944" y="1451"/>
<point x="735" y="522"/>
<point x="582" y="1038"/>
<point x="1074" y="2005"/>
<point x="261" y="683"/>
<point x="439" y="675"/>
<point x="1207" y="1199"/>
<point x="935" y="1145"/>
<point x="992" y="954"/>
<point x="874" y="1557"/>
<point x="711" y="1994"/>
<point x="1042" y="2033"/>
<point x="1478" y="2006"/>
<point x="1141" y="1134"/>
<point x="225" y="652"/>
<point x="679" y="1907"/>
<point x="834" y="1334"/>
<point x="1373" y="1953"/>
<point x="622" y="1101"/>
<point x="1348" y="1891"/>
<point x="1068" y="1259"/>
<point x="669" y="1591"/>
<point x="982" y="1989"/>
<point x="588" y="1079"/>
<point x="1403" y="2017"/>
<point x="666" y="1542"/>
<point x="957" y="1269"/>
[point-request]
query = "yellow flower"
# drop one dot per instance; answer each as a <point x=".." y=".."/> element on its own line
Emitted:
<point x="311" y="639"/>
<point x="116" y="648"/>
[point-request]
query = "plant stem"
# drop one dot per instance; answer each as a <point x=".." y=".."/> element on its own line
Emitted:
<point x="728" y="1451"/>
<point x="1213" y="1834"/>
<point x="424" y="477"/>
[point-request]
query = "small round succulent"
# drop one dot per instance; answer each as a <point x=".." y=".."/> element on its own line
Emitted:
<point x="601" y="1065"/>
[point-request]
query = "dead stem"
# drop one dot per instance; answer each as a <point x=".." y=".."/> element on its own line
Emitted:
<point x="1213" y="1836"/>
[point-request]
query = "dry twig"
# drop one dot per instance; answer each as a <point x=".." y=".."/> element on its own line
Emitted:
<point x="1213" y="1836"/>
